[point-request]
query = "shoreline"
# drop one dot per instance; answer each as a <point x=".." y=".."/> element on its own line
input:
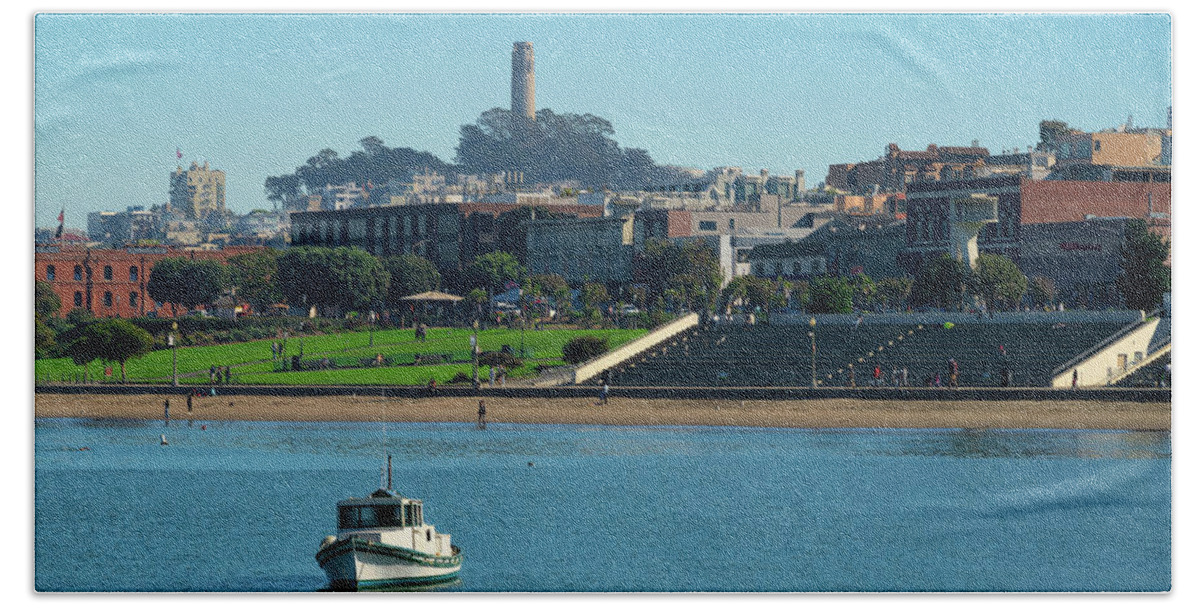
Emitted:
<point x="624" y="411"/>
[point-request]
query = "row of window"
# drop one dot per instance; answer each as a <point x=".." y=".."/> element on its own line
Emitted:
<point x="109" y="299"/>
<point x="52" y="273"/>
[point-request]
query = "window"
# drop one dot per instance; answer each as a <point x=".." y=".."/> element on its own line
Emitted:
<point x="108" y="273"/>
<point x="79" y="298"/>
<point x="133" y="299"/>
<point x="108" y="298"/>
<point x="133" y="274"/>
<point x="78" y="272"/>
<point x="731" y="224"/>
<point x="50" y="272"/>
<point x="1096" y="145"/>
<point x="708" y="226"/>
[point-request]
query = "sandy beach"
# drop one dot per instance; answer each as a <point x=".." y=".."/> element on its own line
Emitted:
<point x="821" y="413"/>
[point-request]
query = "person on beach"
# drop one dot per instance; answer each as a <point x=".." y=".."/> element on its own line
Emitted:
<point x="482" y="424"/>
<point x="189" y="403"/>
<point x="604" y="394"/>
<point x="167" y="412"/>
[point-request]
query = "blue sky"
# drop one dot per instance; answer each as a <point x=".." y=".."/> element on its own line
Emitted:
<point x="257" y="94"/>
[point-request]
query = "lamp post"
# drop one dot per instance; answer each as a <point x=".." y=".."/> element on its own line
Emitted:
<point x="475" y="354"/>
<point x="174" y="359"/>
<point x="371" y="328"/>
<point x="812" y="324"/>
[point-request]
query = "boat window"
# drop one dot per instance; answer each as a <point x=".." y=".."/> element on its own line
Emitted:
<point x="388" y="516"/>
<point x="347" y="517"/>
<point x="408" y="515"/>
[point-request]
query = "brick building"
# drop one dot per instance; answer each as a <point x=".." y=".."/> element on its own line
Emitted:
<point x="1031" y="214"/>
<point x="111" y="282"/>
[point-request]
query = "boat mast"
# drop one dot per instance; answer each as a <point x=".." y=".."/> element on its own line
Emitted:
<point x="389" y="478"/>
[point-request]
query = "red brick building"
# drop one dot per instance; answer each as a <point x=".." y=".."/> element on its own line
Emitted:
<point x="1033" y="215"/>
<point x="111" y="282"/>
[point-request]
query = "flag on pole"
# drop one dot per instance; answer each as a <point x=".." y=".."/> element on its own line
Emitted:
<point x="61" y="215"/>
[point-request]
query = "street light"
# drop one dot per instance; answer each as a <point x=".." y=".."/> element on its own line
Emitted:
<point x="174" y="359"/>
<point x="812" y="324"/>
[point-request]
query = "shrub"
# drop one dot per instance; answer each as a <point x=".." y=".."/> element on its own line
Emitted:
<point x="496" y="359"/>
<point x="582" y="348"/>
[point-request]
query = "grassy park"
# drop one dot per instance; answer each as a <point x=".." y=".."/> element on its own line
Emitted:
<point x="442" y="355"/>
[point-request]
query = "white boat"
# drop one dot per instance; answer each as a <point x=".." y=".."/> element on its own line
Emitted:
<point x="383" y="541"/>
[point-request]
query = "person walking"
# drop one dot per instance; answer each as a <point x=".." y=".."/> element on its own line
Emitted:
<point x="604" y="394"/>
<point x="876" y="376"/>
<point x="1074" y="379"/>
<point x="189" y="403"/>
<point x="482" y="424"/>
<point x="167" y="412"/>
<point x="952" y="370"/>
<point x="491" y="376"/>
<point x="904" y="376"/>
<point x="228" y="375"/>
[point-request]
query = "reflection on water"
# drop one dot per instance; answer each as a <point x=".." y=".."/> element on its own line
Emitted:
<point x="241" y="506"/>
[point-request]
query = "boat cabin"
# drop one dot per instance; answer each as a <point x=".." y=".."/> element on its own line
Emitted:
<point x="383" y="509"/>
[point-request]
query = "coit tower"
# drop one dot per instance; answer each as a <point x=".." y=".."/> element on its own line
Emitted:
<point x="522" y="80"/>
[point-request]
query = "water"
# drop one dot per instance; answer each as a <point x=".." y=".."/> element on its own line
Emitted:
<point x="242" y="506"/>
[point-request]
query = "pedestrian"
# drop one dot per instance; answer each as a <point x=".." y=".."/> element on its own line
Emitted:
<point x="482" y="424"/>
<point x="189" y="403"/>
<point x="937" y="380"/>
<point x="895" y="376"/>
<point x="432" y="386"/>
<point x="228" y="375"/>
<point x="858" y="321"/>
<point x="491" y="376"/>
<point x="1075" y="379"/>
<point x="604" y="394"/>
<point x="952" y="369"/>
<point x="167" y="412"/>
<point x="212" y="374"/>
<point x="904" y="376"/>
<point x="851" y="368"/>
<point x="212" y="391"/>
<point x="876" y="376"/>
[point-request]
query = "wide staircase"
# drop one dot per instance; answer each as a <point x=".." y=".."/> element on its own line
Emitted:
<point x="781" y="354"/>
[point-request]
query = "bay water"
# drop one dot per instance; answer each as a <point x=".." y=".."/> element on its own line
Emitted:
<point x="242" y="506"/>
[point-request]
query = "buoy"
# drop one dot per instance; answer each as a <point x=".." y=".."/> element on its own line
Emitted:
<point x="204" y="427"/>
<point x="162" y="440"/>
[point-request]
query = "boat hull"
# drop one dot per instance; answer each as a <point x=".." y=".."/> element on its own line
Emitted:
<point x="356" y="564"/>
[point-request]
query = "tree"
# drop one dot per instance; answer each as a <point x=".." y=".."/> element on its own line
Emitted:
<point x="1050" y="132"/>
<point x="43" y="338"/>
<point x="549" y="285"/>
<point x="491" y="271"/>
<point x="255" y="275"/>
<point x="830" y="295"/>
<point x="1042" y="290"/>
<point x="689" y="273"/>
<point x="864" y="290"/>
<point x="410" y="274"/>
<point x="893" y="291"/>
<point x="343" y="277"/>
<point x="753" y="292"/>
<point x="186" y="282"/>
<point x="110" y="340"/>
<point x="581" y="348"/>
<point x="998" y="281"/>
<point x="46" y="303"/>
<point x="1145" y="276"/>
<point x="939" y="283"/>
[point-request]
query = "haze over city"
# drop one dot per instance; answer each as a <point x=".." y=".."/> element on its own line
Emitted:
<point x="256" y="95"/>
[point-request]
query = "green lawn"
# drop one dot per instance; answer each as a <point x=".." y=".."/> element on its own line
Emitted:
<point x="252" y="365"/>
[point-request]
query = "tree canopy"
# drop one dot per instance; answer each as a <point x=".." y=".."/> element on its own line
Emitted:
<point x="1145" y="277"/>
<point x="410" y="274"/>
<point x="254" y="274"/>
<point x="494" y="270"/>
<point x="829" y="294"/>
<point x="186" y="282"/>
<point x="555" y="147"/>
<point x="998" y="281"/>
<point x="687" y="273"/>
<point x="46" y="303"/>
<point x="344" y="277"/>
<point x="109" y="340"/>
<point x="939" y="283"/>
